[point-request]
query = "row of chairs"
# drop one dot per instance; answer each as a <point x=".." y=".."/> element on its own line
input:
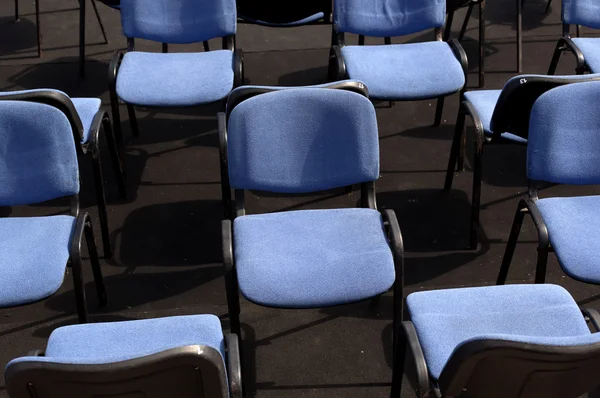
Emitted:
<point x="433" y="69"/>
<point x="459" y="339"/>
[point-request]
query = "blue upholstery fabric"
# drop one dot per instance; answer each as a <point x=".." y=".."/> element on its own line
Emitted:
<point x="38" y="161"/>
<point x="302" y="140"/>
<point x="590" y="47"/>
<point x="564" y="135"/>
<point x="108" y="342"/>
<point x="537" y="314"/>
<point x="312" y="258"/>
<point x="581" y="12"/>
<point x="175" y="79"/>
<point x="86" y="109"/>
<point x="33" y="256"/>
<point x="573" y="226"/>
<point x="484" y="102"/>
<point x="178" y="21"/>
<point x="381" y="18"/>
<point x="405" y="71"/>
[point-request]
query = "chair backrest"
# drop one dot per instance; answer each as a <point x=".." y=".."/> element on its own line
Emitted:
<point x="381" y="18"/>
<point x="513" y="109"/>
<point x="38" y="159"/>
<point x="178" y="21"/>
<point x="242" y="93"/>
<point x="302" y="140"/>
<point x="491" y="368"/>
<point x="564" y="135"/>
<point x="581" y="12"/>
<point x="186" y="372"/>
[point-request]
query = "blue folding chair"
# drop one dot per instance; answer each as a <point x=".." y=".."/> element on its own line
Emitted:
<point x="499" y="117"/>
<point x="179" y="356"/>
<point x="174" y="79"/>
<point x="301" y="140"/>
<point x="87" y="119"/>
<point x="514" y="341"/>
<point x="585" y="49"/>
<point x="38" y="163"/>
<point x="398" y="72"/>
<point x="563" y="148"/>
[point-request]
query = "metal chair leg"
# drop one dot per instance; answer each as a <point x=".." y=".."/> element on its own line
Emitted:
<point x="555" y="58"/>
<point x="511" y="244"/>
<point x="399" y="359"/>
<point x="448" y="28"/>
<point x="82" y="312"/>
<point x="476" y="199"/>
<point x="206" y="46"/>
<point x="438" y="112"/>
<point x="133" y="120"/>
<point x="361" y="40"/>
<point x="481" y="44"/>
<point x="95" y="6"/>
<point x="16" y="10"/>
<point x="38" y="28"/>
<point x="459" y="132"/>
<point x="463" y="29"/>
<point x="519" y="37"/>
<point x="548" y="7"/>
<point x="118" y="161"/>
<point x="97" y="271"/>
<point x="542" y="262"/>
<point x="101" y="202"/>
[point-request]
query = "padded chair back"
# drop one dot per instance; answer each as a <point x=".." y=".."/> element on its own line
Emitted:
<point x="581" y="12"/>
<point x="38" y="159"/>
<point x="564" y="135"/>
<point x="513" y="109"/>
<point x="302" y="140"/>
<point x="178" y="21"/>
<point x="506" y="369"/>
<point x="186" y="372"/>
<point x="381" y="18"/>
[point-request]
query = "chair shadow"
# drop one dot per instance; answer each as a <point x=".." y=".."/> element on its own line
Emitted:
<point x="431" y="220"/>
<point x="23" y="36"/>
<point x="503" y="165"/>
<point x="63" y="74"/>
<point x="172" y="234"/>
<point x="306" y="77"/>
<point x="130" y="290"/>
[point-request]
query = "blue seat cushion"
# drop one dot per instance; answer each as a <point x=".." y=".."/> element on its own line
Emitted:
<point x="536" y="314"/>
<point x="405" y="71"/>
<point x="590" y="47"/>
<point x="484" y="102"/>
<point x="574" y="230"/>
<point x="108" y="342"/>
<point x="312" y="258"/>
<point x="86" y="109"/>
<point x="34" y="252"/>
<point x="175" y="79"/>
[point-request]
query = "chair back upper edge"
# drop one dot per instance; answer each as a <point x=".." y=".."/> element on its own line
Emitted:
<point x="513" y="108"/>
<point x="192" y="371"/>
<point x="509" y="369"/>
